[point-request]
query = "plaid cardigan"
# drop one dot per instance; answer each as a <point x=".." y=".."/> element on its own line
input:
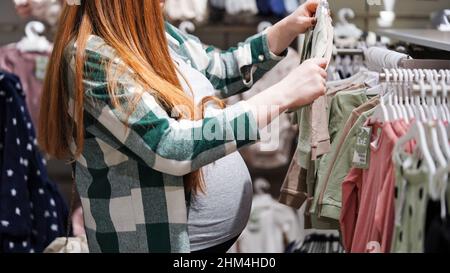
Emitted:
<point x="130" y="174"/>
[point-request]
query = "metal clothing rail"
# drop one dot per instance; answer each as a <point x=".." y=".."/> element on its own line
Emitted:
<point x="348" y="51"/>
<point x="419" y="80"/>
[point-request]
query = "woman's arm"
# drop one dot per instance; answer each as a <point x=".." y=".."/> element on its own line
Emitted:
<point x="231" y="71"/>
<point x="238" y="68"/>
<point x="178" y="147"/>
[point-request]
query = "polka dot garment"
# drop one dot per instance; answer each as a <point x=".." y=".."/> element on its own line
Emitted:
<point x="32" y="212"/>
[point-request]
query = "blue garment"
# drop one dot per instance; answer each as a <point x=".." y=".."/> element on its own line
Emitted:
<point x="32" y="212"/>
<point x="278" y="8"/>
<point x="264" y="7"/>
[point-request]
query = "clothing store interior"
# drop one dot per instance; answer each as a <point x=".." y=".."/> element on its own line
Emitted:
<point x="353" y="157"/>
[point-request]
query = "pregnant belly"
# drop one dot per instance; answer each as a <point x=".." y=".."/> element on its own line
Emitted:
<point x="223" y="211"/>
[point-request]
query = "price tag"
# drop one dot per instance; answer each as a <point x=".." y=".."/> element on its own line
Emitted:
<point x="361" y="154"/>
<point x="41" y="67"/>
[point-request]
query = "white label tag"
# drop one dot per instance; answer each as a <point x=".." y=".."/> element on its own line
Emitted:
<point x="41" y="67"/>
<point x="362" y="148"/>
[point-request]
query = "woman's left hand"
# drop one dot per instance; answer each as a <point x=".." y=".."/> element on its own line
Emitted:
<point x="303" y="18"/>
<point x="283" y="33"/>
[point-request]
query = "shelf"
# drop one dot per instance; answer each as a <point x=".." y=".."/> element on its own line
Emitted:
<point x="424" y="37"/>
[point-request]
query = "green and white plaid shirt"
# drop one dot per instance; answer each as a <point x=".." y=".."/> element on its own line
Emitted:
<point x="130" y="175"/>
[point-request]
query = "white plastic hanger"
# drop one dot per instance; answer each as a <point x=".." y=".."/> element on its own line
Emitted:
<point x="396" y="94"/>
<point x="187" y="27"/>
<point x="381" y="113"/>
<point x="402" y="95"/>
<point x="430" y="98"/>
<point x="440" y="96"/>
<point x="344" y="28"/>
<point x="445" y="88"/>
<point x="393" y="115"/>
<point x="419" y="106"/>
<point x="33" y="42"/>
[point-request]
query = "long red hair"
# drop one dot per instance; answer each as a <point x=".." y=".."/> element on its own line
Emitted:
<point x="135" y="29"/>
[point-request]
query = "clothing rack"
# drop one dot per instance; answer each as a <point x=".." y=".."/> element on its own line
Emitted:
<point x="349" y="51"/>
<point x="420" y="81"/>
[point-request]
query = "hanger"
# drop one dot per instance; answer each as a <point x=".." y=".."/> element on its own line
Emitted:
<point x="444" y="97"/>
<point x="431" y="97"/>
<point x="393" y="115"/>
<point x="417" y="132"/>
<point x="381" y="113"/>
<point x="397" y="95"/>
<point x="404" y="99"/>
<point x="421" y="114"/>
<point x="33" y="41"/>
<point x="187" y="27"/>
<point x="439" y="97"/>
<point x="407" y="97"/>
<point x="346" y="29"/>
<point x="262" y="186"/>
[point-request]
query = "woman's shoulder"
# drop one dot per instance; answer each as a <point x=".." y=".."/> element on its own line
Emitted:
<point x="96" y="48"/>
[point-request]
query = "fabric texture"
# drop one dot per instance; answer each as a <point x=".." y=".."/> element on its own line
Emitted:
<point x="411" y="198"/>
<point x="32" y="211"/>
<point x="437" y="229"/>
<point x="367" y="216"/>
<point x="335" y="166"/>
<point x="130" y="175"/>
<point x="25" y="66"/>
<point x="271" y="227"/>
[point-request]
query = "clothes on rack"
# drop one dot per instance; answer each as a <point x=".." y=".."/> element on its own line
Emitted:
<point x="319" y="44"/>
<point x="303" y="180"/>
<point x="320" y="243"/>
<point x="387" y="197"/>
<point x="30" y="67"/>
<point x="380" y="57"/>
<point x="278" y="8"/>
<point x="46" y="10"/>
<point x="32" y="211"/>
<point x="180" y="10"/>
<point x="270" y="229"/>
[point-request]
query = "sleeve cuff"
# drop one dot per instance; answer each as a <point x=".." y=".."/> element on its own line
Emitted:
<point x="268" y="54"/>
<point x="244" y="124"/>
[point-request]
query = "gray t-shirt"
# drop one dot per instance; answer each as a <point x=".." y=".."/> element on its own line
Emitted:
<point x="222" y="213"/>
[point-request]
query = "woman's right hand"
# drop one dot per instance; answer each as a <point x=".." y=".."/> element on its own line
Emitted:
<point x="304" y="84"/>
<point x="301" y="87"/>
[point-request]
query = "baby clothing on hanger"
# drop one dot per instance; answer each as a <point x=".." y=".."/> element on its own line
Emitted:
<point x="32" y="211"/>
